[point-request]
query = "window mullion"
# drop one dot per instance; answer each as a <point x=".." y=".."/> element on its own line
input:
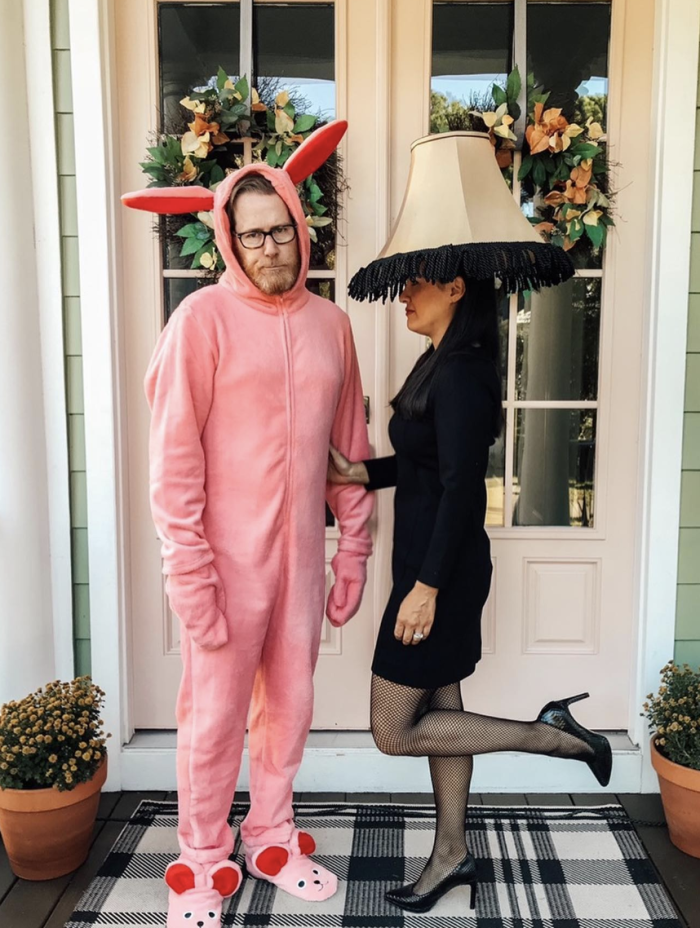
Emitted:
<point x="245" y="64"/>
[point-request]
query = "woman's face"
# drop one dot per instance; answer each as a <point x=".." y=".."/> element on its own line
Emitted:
<point x="431" y="307"/>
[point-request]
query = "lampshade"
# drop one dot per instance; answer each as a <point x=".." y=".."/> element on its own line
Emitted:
<point x="458" y="218"/>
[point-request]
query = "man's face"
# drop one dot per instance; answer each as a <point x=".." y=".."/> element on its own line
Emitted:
<point x="272" y="268"/>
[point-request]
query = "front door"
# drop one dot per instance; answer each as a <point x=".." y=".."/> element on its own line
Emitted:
<point x="562" y="483"/>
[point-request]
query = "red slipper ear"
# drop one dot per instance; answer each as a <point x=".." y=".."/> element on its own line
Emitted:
<point x="307" y="845"/>
<point x="226" y="880"/>
<point x="171" y="200"/>
<point x="271" y="860"/>
<point x="179" y="878"/>
<point x="315" y="149"/>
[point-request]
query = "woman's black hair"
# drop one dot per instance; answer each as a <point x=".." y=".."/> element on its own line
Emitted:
<point x="474" y="328"/>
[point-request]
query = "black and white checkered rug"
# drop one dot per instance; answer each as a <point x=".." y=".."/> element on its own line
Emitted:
<point x="538" y="868"/>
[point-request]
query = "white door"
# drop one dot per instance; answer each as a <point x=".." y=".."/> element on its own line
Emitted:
<point x="563" y="481"/>
<point x="163" y="50"/>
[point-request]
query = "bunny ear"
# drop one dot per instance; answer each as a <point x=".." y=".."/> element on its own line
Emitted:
<point x="171" y="200"/>
<point x="179" y="877"/>
<point x="314" y="150"/>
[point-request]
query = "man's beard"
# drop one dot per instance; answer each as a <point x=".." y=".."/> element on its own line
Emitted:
<point x="274" y="281"/>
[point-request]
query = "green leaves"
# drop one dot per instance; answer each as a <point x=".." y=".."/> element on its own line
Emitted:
<point x="304" y="123"/>
<point x="596" y="234"/>
<point x="197" y="239"/>
<point x="242" y="87"/>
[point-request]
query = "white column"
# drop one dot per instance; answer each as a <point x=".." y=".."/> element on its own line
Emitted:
<point x="26" y="626"/>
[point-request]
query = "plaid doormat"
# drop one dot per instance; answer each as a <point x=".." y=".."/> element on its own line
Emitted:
<point x="538" y="868"/>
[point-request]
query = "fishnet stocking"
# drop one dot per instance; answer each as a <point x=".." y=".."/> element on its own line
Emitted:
<point x="415" y="722"/>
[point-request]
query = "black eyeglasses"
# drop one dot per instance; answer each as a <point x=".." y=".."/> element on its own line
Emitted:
<point x="282" y="235"/>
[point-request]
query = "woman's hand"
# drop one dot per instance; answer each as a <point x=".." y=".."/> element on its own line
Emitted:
<point x="416" y="614"/>
<point x="341" y="470"/>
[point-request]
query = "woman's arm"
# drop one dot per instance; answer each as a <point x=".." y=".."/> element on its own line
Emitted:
<point x="463" y="415"/>
<point x="381" y="472"/>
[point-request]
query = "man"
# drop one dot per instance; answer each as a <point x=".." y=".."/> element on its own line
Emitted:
<point x="249" y="383"/>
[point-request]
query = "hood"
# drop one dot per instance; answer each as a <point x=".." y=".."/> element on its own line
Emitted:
<point x="234" y="277"/>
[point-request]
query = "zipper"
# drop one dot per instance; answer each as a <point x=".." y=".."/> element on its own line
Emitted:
<point x="291" y="408"/>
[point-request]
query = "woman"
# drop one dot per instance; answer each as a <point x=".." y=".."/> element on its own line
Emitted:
<point x="446" y="416"/>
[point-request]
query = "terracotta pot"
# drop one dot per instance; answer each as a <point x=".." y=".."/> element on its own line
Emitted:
<point x="680" y="794"/>
<point x="48" y="833"/>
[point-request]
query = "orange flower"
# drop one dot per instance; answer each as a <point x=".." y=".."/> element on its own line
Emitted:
<point x="550" y="130"/>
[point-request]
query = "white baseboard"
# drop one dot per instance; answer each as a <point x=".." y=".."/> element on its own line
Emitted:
<point x="348" y="762"/>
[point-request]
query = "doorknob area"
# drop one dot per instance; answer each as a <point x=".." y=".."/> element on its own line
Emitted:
<point x="366" y="399"/>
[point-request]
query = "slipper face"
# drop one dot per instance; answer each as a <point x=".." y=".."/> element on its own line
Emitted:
<point x="300" y="876"/>
<point x="196" y="897"/>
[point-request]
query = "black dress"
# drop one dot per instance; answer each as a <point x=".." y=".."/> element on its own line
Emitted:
<point x="439" y="472"/>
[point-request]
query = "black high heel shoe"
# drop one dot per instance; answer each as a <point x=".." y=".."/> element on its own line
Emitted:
<point x="556" y="714"/>
<point x="464" y="874"/>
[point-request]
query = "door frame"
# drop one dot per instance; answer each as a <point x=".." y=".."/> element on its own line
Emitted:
<point x="667" y="262"/>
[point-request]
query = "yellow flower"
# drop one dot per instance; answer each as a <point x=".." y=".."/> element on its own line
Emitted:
<point x="197" y="106"/>
<point x="53" y="759"/>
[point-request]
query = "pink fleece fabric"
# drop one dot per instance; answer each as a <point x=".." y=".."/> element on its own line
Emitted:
<point x="246" y="392"/>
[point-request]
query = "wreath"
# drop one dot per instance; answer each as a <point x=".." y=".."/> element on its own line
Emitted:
<point x="218" y="132"/>
<point x="564" y="169"/>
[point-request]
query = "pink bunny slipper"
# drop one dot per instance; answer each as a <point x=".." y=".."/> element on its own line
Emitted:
<point x="291" y="869"/>
<point x="197" y="893"/>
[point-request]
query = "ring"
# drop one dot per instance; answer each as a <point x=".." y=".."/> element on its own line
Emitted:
<point x="418" y="635"/>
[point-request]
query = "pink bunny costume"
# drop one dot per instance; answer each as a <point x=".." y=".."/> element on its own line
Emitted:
<point x="246" y="392"/>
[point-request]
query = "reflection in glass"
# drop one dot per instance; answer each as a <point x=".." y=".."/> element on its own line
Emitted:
<point x="495" y="480"/>
<point x="177" y="288"/>
<point x="194" y="40"/>
<point x="557" y="345"/>
<point x="471" y="49"/>
<point x="575" y="70"/>
<point x="324" y="288"/>
<point x="295" y="45"/>
<point x="554" y="467"/>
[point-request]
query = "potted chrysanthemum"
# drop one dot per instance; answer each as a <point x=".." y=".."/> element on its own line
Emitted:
<point x="53" y="764"/>
<point x="674" y="717"/>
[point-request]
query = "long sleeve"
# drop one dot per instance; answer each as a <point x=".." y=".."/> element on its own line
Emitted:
<point x="179" y="388"/>
<point x="351" y="504"/>
<point x="382" y="472"/>
<point x="463" y="415"/>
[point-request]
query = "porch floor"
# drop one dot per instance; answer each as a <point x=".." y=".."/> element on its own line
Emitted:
<point x="49" y="904"/>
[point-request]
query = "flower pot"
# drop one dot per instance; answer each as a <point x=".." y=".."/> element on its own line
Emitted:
<point x="680" y="794"/>
<point x="48" y="833"/>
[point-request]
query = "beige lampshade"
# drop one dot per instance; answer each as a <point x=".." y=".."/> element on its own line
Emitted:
<point x="458" y="217"/>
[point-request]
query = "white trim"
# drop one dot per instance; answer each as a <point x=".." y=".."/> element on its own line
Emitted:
<point x="351" y="763"/>
<point x="676" y="33"/>
<point x="98" y="225"/>
<point x="47" y="240"/>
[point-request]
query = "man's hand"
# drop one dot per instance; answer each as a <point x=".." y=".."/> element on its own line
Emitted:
<point x="198" y="599"/>
<point x="416" y="614"/>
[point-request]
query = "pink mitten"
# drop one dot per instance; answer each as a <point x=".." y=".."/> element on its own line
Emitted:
<point x="289" y="868"/>
<point x="344" y="599"/>
<point x="199" y="601"/>
<point x="196" y="893"/>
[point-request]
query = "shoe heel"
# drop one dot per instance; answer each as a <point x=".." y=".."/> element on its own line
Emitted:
<point x="472" y="901"/>
<point x="573" y="699"/>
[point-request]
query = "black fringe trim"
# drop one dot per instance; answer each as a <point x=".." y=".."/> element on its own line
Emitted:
<point x="519" y="265"/>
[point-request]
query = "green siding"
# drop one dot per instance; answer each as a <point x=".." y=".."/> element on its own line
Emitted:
<point x="688" y="602"/>
<point x="65" y="142"/>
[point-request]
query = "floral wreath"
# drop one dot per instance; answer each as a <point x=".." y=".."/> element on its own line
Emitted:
<point x="219" y="133"/>
<point x="564" y="169"/>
